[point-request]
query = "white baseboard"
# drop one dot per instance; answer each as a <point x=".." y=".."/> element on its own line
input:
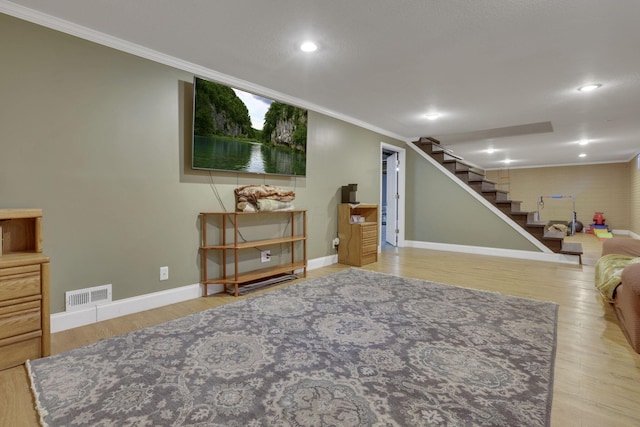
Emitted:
<point x="506" y="253"/>
<point x="626" y="233"/>
<point x="322" y="262"/>
<point x="97" y="313"/>
<point x="73" y="319"/>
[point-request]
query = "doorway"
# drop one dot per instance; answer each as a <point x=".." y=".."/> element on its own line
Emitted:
<point x="392" y="196"/>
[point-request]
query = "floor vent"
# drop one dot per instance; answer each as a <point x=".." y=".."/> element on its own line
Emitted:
<point x="82" y="298"/>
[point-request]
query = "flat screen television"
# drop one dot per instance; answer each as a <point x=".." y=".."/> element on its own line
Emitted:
<point x="238" y="131"/>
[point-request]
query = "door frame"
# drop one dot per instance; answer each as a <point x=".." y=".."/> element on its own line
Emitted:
<point x="402" y="160"/>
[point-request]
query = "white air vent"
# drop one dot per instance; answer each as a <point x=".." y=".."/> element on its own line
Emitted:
<point x="82" y="298"/>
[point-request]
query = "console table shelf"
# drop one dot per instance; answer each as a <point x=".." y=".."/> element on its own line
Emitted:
<point x="228" y="245"/>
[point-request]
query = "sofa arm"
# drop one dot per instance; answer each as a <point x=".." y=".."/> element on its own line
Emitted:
<point x="631" y="279"/>
<point x="621" y="246"/>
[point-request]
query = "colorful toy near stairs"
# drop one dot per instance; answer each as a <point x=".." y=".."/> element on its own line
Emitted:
<point x="599" y="228"/>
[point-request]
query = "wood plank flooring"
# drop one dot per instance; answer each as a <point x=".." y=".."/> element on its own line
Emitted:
<point x="597" y="374"/>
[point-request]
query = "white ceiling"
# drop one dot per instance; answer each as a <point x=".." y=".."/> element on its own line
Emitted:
<point x="503" y="73"/>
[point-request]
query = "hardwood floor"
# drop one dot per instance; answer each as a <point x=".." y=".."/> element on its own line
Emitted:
<point x="597" y="374"/>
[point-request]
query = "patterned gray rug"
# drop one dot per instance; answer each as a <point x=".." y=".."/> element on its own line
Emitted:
<point x="354" y="348"/>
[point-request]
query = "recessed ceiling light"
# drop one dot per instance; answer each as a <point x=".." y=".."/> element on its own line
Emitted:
<point x="507" y="161"/>
<point x="491" y="150"/>
<point x="583" y="142"/>
<point x="582" y="155"/>
<point x="308" y="46"/>
<point x="432" y="116"/>
<point x="589" y="88"/>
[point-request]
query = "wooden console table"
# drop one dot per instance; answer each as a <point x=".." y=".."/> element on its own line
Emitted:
<point x="234" y="246"/>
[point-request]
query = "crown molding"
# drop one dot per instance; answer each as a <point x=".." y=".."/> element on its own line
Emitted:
<point x="122" y="45"/>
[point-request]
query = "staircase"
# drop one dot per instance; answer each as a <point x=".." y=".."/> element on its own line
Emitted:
<point x="475" y="178"/>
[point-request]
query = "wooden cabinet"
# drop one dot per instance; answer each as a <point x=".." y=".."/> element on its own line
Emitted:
<point x="24" y="288"/>
<point x="358" y="233"/>
<point x="223" y="238"/>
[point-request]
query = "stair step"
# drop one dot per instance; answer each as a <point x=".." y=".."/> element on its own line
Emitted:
<point x="454" y="165"/>
<point x="554" y="235"/>
<point x="536" y="224"/>
<point x="480" y="186"/>
<point x="553" y="240"/>
<point x="571" y="248"/>
<point x="511" y="207"/>
<point x="519" y="217"/>
<point x="537" y="228"/>
<point x="469" y="176"/>
<point x="495" y="195"/>
<point x="442" y="156"/>
<point x="428" y="139"/>
<point x="430" y="145"/>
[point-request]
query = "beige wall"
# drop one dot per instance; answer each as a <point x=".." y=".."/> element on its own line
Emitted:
<point x="597" y="188"/>
<point x="634" y="199"/>
<point x="100" y="140"/>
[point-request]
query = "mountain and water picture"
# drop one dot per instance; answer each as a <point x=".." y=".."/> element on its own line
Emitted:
<point x="238" y="131"/>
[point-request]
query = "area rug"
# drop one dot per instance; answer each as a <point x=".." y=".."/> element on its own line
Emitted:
<point x="354" y="348"/>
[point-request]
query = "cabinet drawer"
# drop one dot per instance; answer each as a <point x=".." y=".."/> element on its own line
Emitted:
<point x="370" y="231"/>
<point x="20" y="322"/>
<point x="21" y="304"/>
<point x="15" y="351"/>
<point x="369" y="241"/>
<point x="369" y="249"/>
<point x="19" y="282"/>
<point x="368" y="259"/>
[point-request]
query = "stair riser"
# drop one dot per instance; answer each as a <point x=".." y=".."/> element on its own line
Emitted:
<point x="468" y="176"/>
<point x="554" y="245"/>
<point x="425" y="140"/>
<point x="429" y="147"/>
<point x="440" y="156"/>
<point x="521" y="220"/>
<point x="511" y="207"/>
<point x="495" y="197"/>
<point x="473" y="176"/>
<point x="537" y="232"/>
<point x="454" y="167"/>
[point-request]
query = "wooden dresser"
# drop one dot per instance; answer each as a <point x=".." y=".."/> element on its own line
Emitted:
<point x="358" y="233"/>
<point x="24" y="288"/>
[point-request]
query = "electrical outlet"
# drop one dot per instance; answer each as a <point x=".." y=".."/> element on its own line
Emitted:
<point x="164" y="273"/>
<point x="336" y="242"/>
<point x="265" y="256"/>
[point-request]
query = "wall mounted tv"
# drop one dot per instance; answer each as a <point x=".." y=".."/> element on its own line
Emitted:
<point x="241" y="132"/>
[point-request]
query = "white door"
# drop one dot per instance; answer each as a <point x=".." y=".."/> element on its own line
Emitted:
<point x="391" y="236"/>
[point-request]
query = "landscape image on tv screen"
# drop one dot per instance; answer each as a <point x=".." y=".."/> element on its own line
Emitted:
<point x="238" y="131"/>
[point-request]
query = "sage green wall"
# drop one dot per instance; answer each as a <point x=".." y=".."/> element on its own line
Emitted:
<point x="438" y="210"/>
<point x="99" y="139"/>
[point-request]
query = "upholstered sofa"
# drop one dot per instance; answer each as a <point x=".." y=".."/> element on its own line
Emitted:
<point x="626" y="296"/>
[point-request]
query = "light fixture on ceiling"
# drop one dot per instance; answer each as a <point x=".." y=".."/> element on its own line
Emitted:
<point x="308" y="46"/>
<point x="582" y="155"/>
<point x="583" y="142"/>
<point x="507" y="161"/>
<point x="491" y="150"/>
<point x="432" y="116"/>
<point x="589" y="87"/>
